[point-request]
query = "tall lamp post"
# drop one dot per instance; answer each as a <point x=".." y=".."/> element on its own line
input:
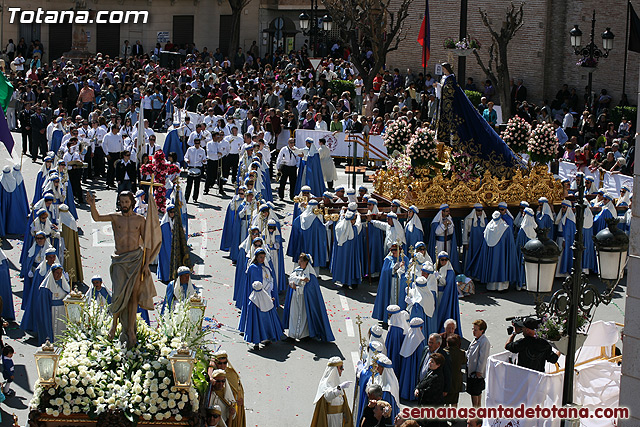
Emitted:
<point x="591" y="53"/>
<point x="309" y="26"/>
<point x="576" y="294"/>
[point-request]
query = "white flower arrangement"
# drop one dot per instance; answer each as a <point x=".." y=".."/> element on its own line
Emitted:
<point x="516" y="134"/>
<point x="96" y="375"/>
<point x="543" y="143"/>
<point x="396" y="135"/>
<point x="422" y="148"/>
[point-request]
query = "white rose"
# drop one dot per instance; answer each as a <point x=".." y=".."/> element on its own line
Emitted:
<point x="159" y="416"/>
<point x="55" y="413"/>
<point x="180" y="405"/>
<point x="49" y="411"/>
<point x="172" y="404"/>
<point x="52" y="391"/>
<point x="178" y="417"/>
<point x="66" y="411"/>
<point x="147" y="417"/>
<point x="153" y="409"/>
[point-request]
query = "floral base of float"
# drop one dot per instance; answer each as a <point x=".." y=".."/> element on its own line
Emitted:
<point x="427" y="188"/>
<point x="99" y="382"/>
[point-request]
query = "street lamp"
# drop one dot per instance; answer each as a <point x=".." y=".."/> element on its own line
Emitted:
<point x="304" y="21"/>
<point x="327" y="23"/>
<point x="576" y="294"/>
<point x="47" y="364"/>
<point x="309" y="26"/>
<point x="591" y="53"/>
<point x="540" y="262"/>
<point x="182" y="361"/>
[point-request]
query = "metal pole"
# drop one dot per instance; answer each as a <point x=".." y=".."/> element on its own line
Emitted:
<point x="626" y="50"/>
<point x="424" y="41"/>
<point x="314" y="9"/>
<point x="578" y="249"/>
<point x="589" y="92"/>
<point x="592" y="47"/>
<point x="462" y="60"/>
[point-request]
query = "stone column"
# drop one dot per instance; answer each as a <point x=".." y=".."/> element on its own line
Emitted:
<point x="630" y="382"/>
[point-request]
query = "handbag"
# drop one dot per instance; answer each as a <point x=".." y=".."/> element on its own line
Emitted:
<point x="475" y="385"/>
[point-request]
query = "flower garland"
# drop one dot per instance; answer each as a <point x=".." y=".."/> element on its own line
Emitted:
<point x="422" y="148"/>
<point x="461" y="166"/>
<point x="160" y="169"/>
<point x="396" y="135"/>
<point x="97" y="375"/>
<point x="543" y="143"/>
<point x="400" y="164"/>
<point x="516" y="134"/>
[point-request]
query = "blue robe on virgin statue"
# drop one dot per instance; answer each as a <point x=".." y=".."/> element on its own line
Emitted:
<point x="460" y="122"/>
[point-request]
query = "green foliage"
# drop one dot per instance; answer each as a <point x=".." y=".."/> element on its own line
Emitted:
<point x="340" y="86"/>
<point x="473" y="96"/>
<point x="619" y="112"/>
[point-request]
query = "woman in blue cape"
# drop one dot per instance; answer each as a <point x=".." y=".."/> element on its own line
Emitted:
<point x="172" y="144"/>
<point x="373" y="241"/>
<point x="413" y="228"/>
<point x="589" y="259"/>
<point x="365" y="373"/>
<point x="50" y="314"/>
<point x="43" y="174"/>
<point x="8" y="313"/>
<point x="386" y="378"/>
<point x="260" y="269"/>
<point x="472" y="237"/>
<point x="447" y="305"/>
<point x="56" y="140"/>
<point x="273" y="244"/>
<point x="262" y="321"/>
<point x="179" y="289"/>
<point x="411" y="353"/>
<point x="305" y="192"/>
<point x="231" y="230"/>
<point x="421" y="299"/>
<point x="608" y="211"/>
<point x="35" y="254"/>
<point x="305" y="314"/>
<point x="309" y="235"/>
<point x="398" y="327"/>
<point x="22" y="203"/>
<point x="498" y="258"/>
<point x="526" y="232"/>
<point x="244" y="252"/>
<point x="442" y="236"/>
<point x="164" y="256"/>
<point x="14" y="208"/>
<point x="310" y="170"/>
<point x="545" y="217"/>
<point x="346" y="257"/>
<point x="568" y="233"/>
<point x="392" y="285"/>
<point x="460" y="123"/>
<point x="32" y="282"/>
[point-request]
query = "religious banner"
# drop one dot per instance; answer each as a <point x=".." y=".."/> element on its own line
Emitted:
<point x="569" y="170"/>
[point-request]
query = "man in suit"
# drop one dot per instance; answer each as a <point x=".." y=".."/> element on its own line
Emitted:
<point x="126" y="173"/>
<point x="137" y="49"/>
<point x="38" y="134"/>
<point x="73" y="90"/>
<point x="434" y="345"/>
<point x="25" y="128"/>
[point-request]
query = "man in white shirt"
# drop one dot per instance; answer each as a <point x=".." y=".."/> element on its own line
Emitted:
<point x="75" y="171"/>
<point x="195" y="158"/>
<point x="196" y="134"/>
<point x="298" y="91"/>
<point x="112" y="145"/>
<point x="150" y="147"/>
<point x="567" y="121"/>
<point x="210" y="120"/>
<point x="287" y="165"/>
<point x="215" y="159"/>
<point x="359" y="84"/>
<point x="184" y="131"/>
<point x="230" y="163"/>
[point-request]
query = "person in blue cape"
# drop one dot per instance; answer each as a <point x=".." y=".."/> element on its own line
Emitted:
<point x="448" y="304"/>
<point x="499" y="258"/>
<point x="21" y="195"/>
<point x="305" y="314"/>
<point x="421" y="300"/>
<point x="267" y="192"/>
<point x="545" y="217"/>
<point x="608" y="211"/>
<point x="262" y="322"/>
<point x="245" y="250"/>
<point x="305" y="193"/>
<point x="232" y="232"/>
<point x="42" y="176"/>
<point x="245" y="160"/>
<point x="364" y="373"/>
<point x="346" y="257"/>
<point x="310" y="170"/>
<point x="164" y="256"/>
<point x="589" y="258"/>
<point x="35" y="254"/>
<point x="50" y="315"/>
<point x="309" y="236"/>
<point x="413" y="228"/>
<point x="14" y="209"/>
<point x="398" y="327"/>
<point x="261" y="217"/>
<point x="460" y="122"/>
<point x="518" y="219"/>
<point x="172" y="144"/>
<point x="625" y="195"/>
<point x="66" y="190"/>
<point x="373" y="251"/>
<point x="526" y="232"/>
<point x="8" y="312"/>
<point x="392" y="283"/>
<point x="259" y="270"/>
<point x="32" y="282"/>
<point x="624" y="217"/>
<point x="178" y="195"/>
<point x="97" y="293"/>
<point x="56" y="137"/>
<point x="246" y="210"/>
<point x="39" y="220"/>
<point x="442" y="236"/>
<point x="472" y="236"/>
<point x="505" y="214"/>
<point x="568" y="222"/>
<point x="180" y="289"/>
<point x="411" y="353"/>
<point x="393" y="231"/>
<point x="386" y="378"/>
<point x="375" y="333"/>
<point x="273" y="244"/>
<point x="396" y="208"/>
<point x="141" y="206"/>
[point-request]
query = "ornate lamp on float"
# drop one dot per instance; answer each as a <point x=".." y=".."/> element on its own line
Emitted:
<point x="182" y="362"/>
<point x="197" y="306"/>
<point x="73" y="304"/>
<point x="47" y="364"/>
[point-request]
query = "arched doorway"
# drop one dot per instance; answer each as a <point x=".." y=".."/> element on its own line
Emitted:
<point x="282" y="35"/>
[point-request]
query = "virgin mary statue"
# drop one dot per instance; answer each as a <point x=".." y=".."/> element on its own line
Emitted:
<point x="461" y="126"/>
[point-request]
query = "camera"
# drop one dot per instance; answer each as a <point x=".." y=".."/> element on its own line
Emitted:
<point x="517" y="323"/>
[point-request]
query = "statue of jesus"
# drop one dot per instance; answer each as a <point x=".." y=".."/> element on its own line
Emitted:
<point x="130" y="277"/>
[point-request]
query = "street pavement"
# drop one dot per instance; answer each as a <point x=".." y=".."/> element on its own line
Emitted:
<point x="280" y="380"/>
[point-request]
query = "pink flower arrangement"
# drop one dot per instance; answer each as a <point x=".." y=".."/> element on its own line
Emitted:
<point x="422" y="148"/>
<point x="461" y="166"/>
<point x="516" y="134"/>
<point x="543" y="143"/>
<point x="396" y="135"/>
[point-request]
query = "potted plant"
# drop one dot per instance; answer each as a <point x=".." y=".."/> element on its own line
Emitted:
<point x="462" y="47"/>
<point x="554" y="328"/>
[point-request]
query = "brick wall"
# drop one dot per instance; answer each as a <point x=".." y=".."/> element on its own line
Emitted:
<point x="540" y="53"/>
